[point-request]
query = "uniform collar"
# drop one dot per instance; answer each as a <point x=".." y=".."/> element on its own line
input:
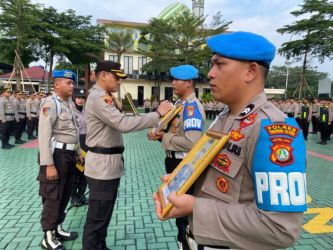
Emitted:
<point x="252" y="106"/>
<point x="190" y="97"/>
<point x="99" y="89"/>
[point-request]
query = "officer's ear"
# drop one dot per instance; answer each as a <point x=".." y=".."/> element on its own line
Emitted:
<point x="253" y="72"/>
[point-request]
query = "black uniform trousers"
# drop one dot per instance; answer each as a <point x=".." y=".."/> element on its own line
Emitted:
<point x="315" y="124"/>
<point x="304" y="124"/>
<point x="56" y="193"/>
<point x="147" y="110"/>
<point x="6" y="128"/>
<point x="324" y="131"/>
<point x="80" y="183"/>
<point x="102" y="197"/>
<point x="181" y="223"/>
<point x="19" y="128"/>
<point x="31" y="123"/>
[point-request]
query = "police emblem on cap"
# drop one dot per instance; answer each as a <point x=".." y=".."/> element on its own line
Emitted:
<point x="282" y="151"/>
<point x="222" y="184"/>
<point x="68" y="74"/>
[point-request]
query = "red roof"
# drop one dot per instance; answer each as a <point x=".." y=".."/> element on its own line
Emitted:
<point x="34" y="73"/>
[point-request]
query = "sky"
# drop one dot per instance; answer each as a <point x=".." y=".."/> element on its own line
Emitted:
<point x="261" y="16"/>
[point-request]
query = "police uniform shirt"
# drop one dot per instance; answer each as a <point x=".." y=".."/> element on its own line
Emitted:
<point x="80" y="119"/>
<point x="7" y="112"/>
<point x="22" y="108"/>
<point x="56" y="120"/>
<point x="232" y="205"/>
<point x="105" y="125"/>
<point x="183" y="134"/>
<point x="16" y="105"/>
<point x="30" y="108"/>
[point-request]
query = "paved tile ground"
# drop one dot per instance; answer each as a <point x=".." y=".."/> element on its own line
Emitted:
<point x="134" y="225"/>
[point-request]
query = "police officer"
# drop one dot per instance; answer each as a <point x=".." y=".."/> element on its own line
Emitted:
<point x="147" y="105"/>
<point x="19" y="122"/>
<point x="7" y="115"/>
<point x="80" y="184"/>
<point x="314" y="117"/>
<point x="183" y="131"/>
<point x="236" y="201"/>
<point x="324" y="122"/>
<point x="58" y="146"/>
<point x="306" y="113"/>
<point x="31" y="110"/>
<point x="104" y="163"/>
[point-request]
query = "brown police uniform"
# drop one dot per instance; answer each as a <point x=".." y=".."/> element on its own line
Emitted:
<point x="58" y="145"/>
<point x="7" y="115"/>
<point x="31" y="110"/>
<point x="177" y="144"/>
<point x="225" y="212"/>
<point x="104" y="163"/>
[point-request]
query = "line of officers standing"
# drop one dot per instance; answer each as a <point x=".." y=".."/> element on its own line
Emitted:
<point x="19" y="112"/>
<point x="318" y="112"/>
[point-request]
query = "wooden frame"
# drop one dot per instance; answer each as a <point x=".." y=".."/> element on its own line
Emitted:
<point x="191" y="167"/>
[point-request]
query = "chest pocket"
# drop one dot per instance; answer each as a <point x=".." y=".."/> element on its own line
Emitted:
<point x="65" y="120"/>
<point x="224" y="178"/>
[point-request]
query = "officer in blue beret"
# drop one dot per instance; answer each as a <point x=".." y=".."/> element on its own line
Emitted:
<point x="183" y="131"/>
<point x="253" y="194"/>
<point x="59" y="150"/>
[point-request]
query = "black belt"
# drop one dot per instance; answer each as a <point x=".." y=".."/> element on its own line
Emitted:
<point x="35" y="113"/>
<point x="190" y="235"/>
<point x="22" y="113"/>
<point x="107" y="151"/>
<point x="9" y="114"/>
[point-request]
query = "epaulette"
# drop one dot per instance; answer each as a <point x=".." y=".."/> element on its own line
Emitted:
<point x="273" y="113"/>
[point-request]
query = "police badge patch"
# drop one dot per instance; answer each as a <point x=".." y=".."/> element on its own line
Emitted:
<point x="282" y="151"/>
<point x="222" y="184"/>
<point x="222" y="162"/>
<point x="107" y="99"/>
<point x="46" y="111"/>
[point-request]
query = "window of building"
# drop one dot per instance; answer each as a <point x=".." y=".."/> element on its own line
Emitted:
<point x="206" y="90"/>
<point x="113" y="58"/>
<point x="128" y="65"/>
<point x="142" y="61"/>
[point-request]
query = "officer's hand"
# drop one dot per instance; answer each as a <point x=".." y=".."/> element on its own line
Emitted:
<point x="183" y="205"/>
<point x="80" y="159"/>
<point x="51" y="173"/>
<point x="158" y="205"/>
<point x="164" y="107"/>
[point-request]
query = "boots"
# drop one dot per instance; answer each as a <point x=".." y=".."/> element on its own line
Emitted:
<point x="51" y="242"/>
<point x="64" y="235"/>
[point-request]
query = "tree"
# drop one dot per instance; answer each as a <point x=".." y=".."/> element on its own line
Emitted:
<point x="68" y="35"/>
<point x="316" y="35"/>
<point x="120" y="40"/>
<point x="277" y="79"/>
<point x="179" y="40"/>
<point x="16" y="20"/>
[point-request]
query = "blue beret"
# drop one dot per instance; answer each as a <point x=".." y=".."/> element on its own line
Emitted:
<point x="68" y="74"/>
<point x="184" y="72"/>
<point x="243" y="46"/>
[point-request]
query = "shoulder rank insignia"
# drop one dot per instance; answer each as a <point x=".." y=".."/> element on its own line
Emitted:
<point x="248" y="121"/>
<point x="108" y="99"/>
